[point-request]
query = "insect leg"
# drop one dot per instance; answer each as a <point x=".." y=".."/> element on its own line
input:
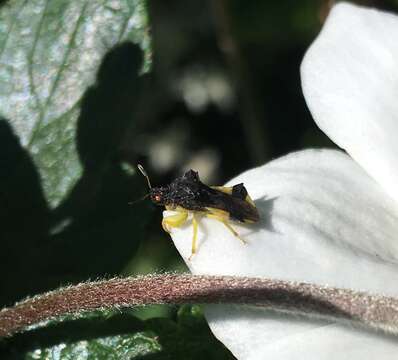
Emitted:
<point x="174" y="220"/>
<point x="224" y="220"/>
<point x="195" y="235"/>
<point x="230" y="228"/>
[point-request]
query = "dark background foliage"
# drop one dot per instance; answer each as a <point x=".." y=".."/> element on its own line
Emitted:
<point x="222" y="95"/>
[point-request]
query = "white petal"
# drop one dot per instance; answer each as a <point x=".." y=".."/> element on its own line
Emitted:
<point x="350" y="82"/>
<point x="255" y="334"/>
<point x="324" y="220"/>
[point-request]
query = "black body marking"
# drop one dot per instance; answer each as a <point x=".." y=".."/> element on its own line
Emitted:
<point x="188" y="192"/>
<point x="239" y="191"/>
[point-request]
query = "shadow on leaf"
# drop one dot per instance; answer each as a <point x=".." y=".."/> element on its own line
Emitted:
<point x="121" y="336"/>
<point x="24" y="218"/>
<point x="94" y="232"/>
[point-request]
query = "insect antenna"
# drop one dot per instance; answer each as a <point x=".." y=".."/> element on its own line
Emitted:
<point x="143" y="172"/>
<point x="138" y="200"/>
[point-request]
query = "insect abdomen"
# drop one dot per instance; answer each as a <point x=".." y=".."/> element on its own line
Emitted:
<point x="238" y="209"/>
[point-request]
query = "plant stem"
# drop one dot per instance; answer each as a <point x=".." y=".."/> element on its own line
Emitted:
<point x="370" y="311"/>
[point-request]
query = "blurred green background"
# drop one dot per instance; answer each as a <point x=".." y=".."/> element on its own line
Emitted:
<point x="90" y="89"/>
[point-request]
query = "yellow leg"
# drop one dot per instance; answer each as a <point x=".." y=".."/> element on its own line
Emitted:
<point x="195" y="236"/>
<point x="224" y="220"/>
<point x="174" y="220"/>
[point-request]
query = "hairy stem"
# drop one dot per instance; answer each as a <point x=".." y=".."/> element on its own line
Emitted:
<point x="358" y="308"/>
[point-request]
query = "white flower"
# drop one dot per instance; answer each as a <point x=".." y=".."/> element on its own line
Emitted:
<point x="326" y="219"/>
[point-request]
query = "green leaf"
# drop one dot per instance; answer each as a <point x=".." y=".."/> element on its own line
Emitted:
<point x="120" y="336"/>
<point x="71" y="78"/>
<point x="50" y="52"/>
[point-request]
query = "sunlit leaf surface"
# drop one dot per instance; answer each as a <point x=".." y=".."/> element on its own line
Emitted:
<point x="49" y="54"/>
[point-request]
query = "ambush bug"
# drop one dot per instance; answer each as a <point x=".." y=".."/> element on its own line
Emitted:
<point x="187" y="194"/>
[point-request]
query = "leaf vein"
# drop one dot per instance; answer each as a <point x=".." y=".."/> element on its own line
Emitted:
<point x="58" y="76"/>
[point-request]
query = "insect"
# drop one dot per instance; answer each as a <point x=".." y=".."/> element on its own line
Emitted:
<point x="187" y="194"/>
